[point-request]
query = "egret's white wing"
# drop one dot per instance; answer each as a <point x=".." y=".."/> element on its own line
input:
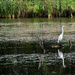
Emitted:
<point x="60" y="37"/>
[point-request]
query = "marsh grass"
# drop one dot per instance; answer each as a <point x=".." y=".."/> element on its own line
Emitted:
<point x="34" y="8"/>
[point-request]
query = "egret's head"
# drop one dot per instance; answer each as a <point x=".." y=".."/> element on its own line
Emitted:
<point x="62" y="26"/>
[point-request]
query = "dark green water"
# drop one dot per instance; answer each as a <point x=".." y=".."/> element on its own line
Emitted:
<point x="21" y="54"/>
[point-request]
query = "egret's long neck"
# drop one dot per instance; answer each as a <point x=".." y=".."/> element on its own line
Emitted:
<point x="62" y="30"/>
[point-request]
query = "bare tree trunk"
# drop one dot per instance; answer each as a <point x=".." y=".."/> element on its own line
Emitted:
<point x="46" y="9"/>
<point x="60" y="6"/>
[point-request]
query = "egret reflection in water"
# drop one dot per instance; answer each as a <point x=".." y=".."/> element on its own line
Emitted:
<point x="61" y="56"/>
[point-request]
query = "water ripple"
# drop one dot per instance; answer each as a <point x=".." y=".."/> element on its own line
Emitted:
<point x="28" y="58"/>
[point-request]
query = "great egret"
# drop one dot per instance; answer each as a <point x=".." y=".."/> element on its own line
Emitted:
<point x="61" y="56"/>
<point x="61" y="35"/>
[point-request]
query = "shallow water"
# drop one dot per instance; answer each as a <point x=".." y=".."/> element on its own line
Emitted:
<point x="21" y="54"/>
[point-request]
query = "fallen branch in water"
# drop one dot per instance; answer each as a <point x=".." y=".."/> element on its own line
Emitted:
<point x="41" y="45"/>
<point x="70" y="44"/>
<point x="58" y="46"/>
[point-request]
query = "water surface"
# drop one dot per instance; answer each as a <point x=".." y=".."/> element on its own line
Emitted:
<point x="21" y="54"/>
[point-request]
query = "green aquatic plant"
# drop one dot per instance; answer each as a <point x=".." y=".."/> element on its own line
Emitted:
<point x="34" y="8"/>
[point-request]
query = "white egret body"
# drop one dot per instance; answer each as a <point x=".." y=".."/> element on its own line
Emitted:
<point x="61" y="35"/>
<point x="61" y="56"/>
